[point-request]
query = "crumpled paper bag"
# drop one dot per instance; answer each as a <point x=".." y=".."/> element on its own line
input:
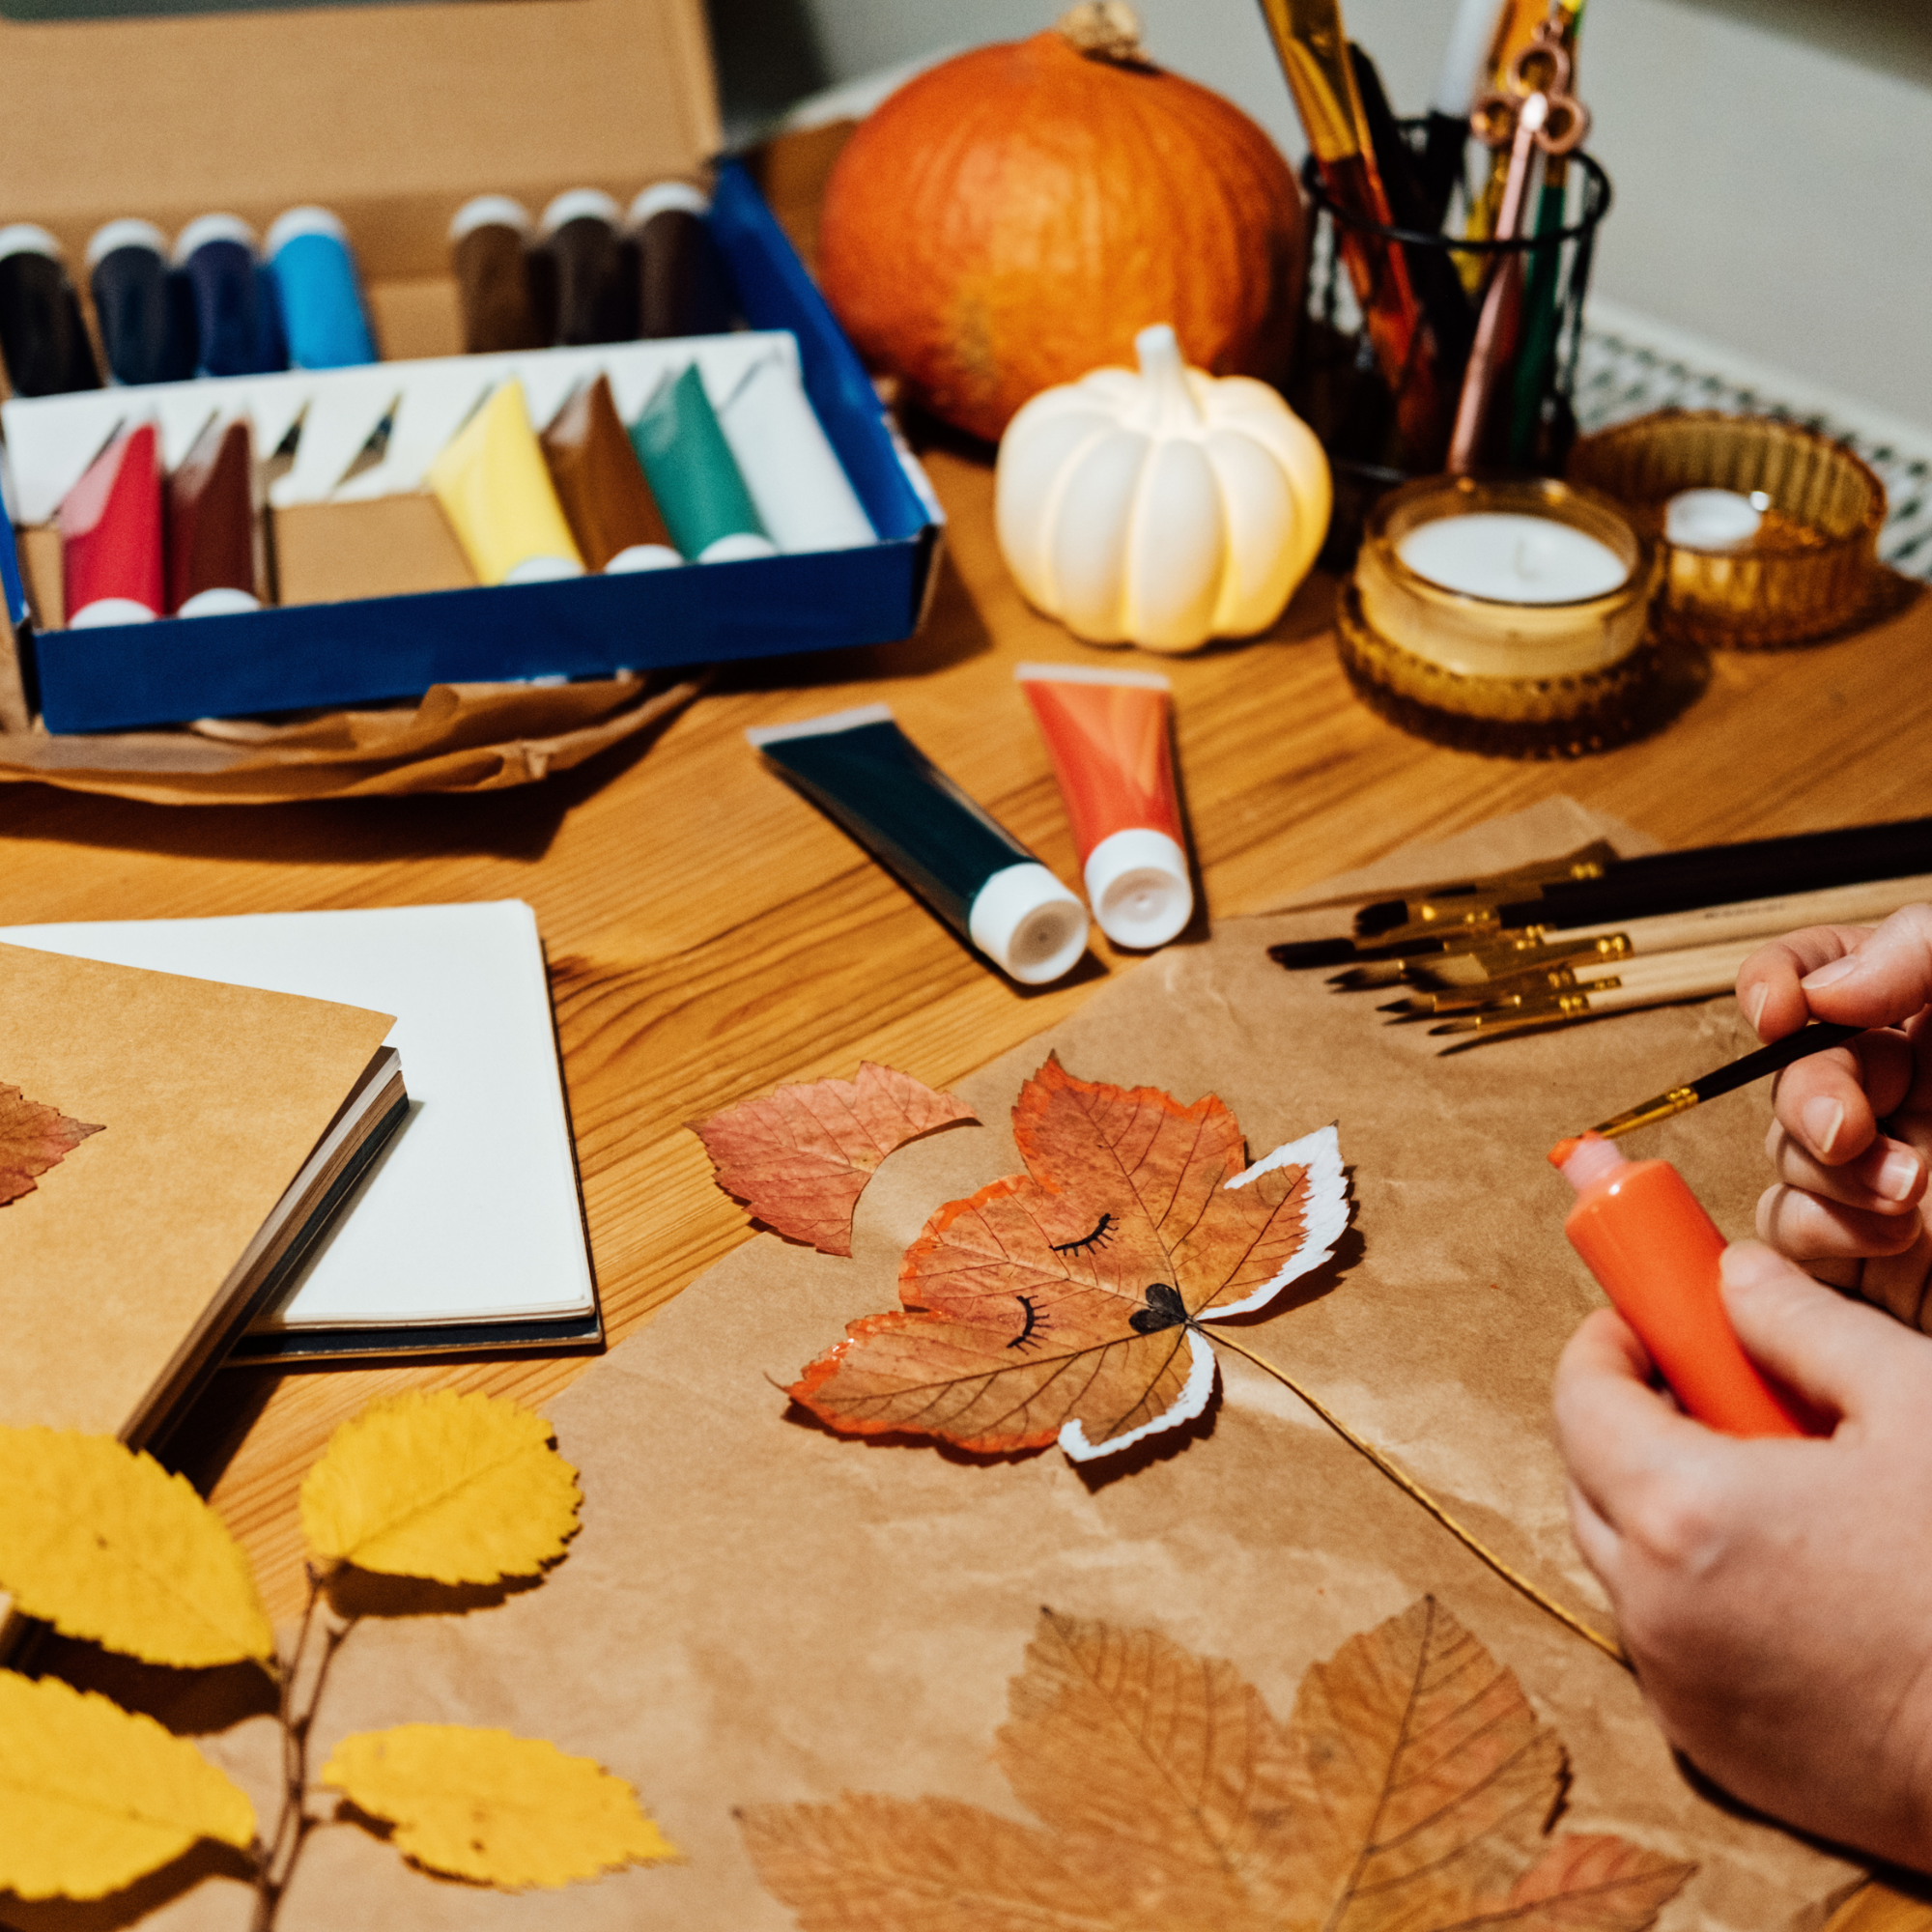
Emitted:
<point x="756" y="1610"/>
<point x="459" y="737"/>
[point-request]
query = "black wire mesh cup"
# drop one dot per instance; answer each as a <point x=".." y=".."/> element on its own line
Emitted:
<point x="1377" y="432"/>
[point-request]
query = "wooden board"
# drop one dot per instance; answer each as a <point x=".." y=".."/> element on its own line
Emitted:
<point x="710" y="935"/>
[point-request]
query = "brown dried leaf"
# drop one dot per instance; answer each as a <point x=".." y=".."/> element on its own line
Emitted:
<point x="800" y="1157"/>
<point x="1065" y="1302"/>
<point x="33" y="1138"/>
<point x="1411" y="1792"/>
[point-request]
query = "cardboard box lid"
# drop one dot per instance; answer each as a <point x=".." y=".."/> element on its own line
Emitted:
<point x="390" y="115"/>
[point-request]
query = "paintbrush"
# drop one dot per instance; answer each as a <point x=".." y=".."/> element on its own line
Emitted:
<point x="1468" y="973"/>
<point x="1773" y="1059"/>
<point x="1616" y="986"/>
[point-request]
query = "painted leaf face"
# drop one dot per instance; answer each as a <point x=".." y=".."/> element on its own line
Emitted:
<point x="33" y="1138"/>
<point x="1410" y="1792"/>
<point x="800" y="1157"/>
<point x="1064" y="1302"/>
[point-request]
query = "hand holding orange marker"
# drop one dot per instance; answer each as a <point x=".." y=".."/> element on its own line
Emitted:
<point x="1656" y="1252"/>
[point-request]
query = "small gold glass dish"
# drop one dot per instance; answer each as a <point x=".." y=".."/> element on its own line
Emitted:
<point x="1502" y="615"/>
<point x="1770" y="531"/>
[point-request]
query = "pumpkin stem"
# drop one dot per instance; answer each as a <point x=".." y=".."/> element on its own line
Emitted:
<point x="1108" y="30"/>
<point x="1164" y="371"/>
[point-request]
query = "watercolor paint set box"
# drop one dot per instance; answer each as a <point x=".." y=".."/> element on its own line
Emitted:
<point x="375" y="578"/>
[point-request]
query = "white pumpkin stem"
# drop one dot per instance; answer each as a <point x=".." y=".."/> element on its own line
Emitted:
<point x="1164" y="371"/>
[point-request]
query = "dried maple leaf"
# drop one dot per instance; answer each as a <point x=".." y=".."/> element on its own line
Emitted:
<point x="33" y="1138"/>
<point x="800" y="1157"/>
<point x="1065" y="1302"/>
<point x="1412" y="1791"/>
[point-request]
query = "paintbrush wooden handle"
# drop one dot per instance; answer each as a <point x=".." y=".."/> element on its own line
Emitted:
<point x="1769" y="919"/>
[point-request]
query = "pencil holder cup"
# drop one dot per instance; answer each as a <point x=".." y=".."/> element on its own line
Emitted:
<point x="1381" y="433"/>
<point x="1801" y="565"/>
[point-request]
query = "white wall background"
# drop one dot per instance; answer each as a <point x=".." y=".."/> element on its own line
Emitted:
<point x="1773" y="159"/>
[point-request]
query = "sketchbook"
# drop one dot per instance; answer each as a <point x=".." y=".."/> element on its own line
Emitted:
<point x="466" y="1233"/>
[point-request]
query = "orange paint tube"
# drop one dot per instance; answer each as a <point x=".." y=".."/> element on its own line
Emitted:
<point x="1656" y="1252"/>
<point x="1107" y="734"/>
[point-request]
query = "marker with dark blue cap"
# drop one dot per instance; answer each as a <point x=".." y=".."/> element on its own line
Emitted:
<point x="145" y="308"/>
<point x="236" y="322"/>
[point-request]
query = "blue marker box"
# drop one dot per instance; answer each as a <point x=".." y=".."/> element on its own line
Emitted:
<point x="339" y="654"/>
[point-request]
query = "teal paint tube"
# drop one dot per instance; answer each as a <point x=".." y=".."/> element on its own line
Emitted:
<point x="695" y="476"/>
<point x="863" y="771"/>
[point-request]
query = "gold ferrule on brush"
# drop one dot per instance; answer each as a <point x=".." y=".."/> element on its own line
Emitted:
<point x="1679" y="1100"/>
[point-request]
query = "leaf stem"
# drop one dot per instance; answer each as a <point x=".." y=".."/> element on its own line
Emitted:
<point x="1407" y="1483"/>
<point x="275" y="1864"/>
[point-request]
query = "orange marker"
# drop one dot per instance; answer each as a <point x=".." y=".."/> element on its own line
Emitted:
<point x="1656" y="1252"/>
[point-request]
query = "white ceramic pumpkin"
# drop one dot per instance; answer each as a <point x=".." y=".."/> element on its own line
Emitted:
<point x="1162" y="508"/>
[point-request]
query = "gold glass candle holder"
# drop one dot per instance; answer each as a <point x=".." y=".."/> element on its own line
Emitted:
<point x="1520" y="631"/>
<point x="1808" y="568"/>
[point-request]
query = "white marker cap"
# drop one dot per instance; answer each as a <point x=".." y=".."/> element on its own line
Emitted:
<point x="577" y="204"/>
<point x="490" y="211"/>
<point x="206" y="228"/>
<point x="128" y="232"/>
<point x="667" y="197"/>
<point x="643" y="556"/>
<point x="543" y="570"/>
<point x="24" y="238"/>
<point x="1138" y="886"/>
<point x="1028" y="923"/>
<point x="294" y="222"/>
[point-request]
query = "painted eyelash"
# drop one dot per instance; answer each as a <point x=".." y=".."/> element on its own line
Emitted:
<point x="1035" y="1322"/>
<point x="1087" y="1243"/>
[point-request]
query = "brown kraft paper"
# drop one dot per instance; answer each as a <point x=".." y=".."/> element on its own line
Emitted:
<point x="758" y="1611"/>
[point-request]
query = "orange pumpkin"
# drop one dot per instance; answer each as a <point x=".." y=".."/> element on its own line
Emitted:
<point x="1014" y="216"/>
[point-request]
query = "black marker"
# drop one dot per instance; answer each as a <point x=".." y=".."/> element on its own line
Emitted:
<point x="42" y="336"/>
<point x="144" y="307"/>
<point x="592" y="270"/>
<point x="683" y="285"/>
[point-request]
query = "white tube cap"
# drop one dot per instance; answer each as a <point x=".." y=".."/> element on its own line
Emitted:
<point x="543" y="570"/>
<point x="1138" y="886"/>
<point x="737" y="548"/>
<point x="223" y="601"/>
<point x="106" y="610"/>
<point x="490" y="211"/>
<point x="1028" y="923"/>
<point x="643" y="556"/>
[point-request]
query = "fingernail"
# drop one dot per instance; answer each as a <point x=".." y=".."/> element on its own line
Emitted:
<point x="1823" y="1118"/>
<point x="1829" y="976"/>
<point x="1745" y="1264"/>
<point x="1758" y="999"/>
<point x="1897" y="1174"/>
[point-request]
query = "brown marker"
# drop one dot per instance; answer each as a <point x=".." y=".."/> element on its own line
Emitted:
<point x="592" y="270"/>
<point x="605" y="499"/>
<point x="490" y="247"/>
<point x="214" y="540"/>
<point x="682" y="286"/>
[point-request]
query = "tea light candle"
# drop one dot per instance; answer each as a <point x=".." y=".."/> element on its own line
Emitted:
<point x="1715" y="520"/>
<point x="1512" y="558"/>
<point x="1504" y="583"/>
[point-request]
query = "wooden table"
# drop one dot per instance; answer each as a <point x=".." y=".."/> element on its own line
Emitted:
<point x="711" y="935"/>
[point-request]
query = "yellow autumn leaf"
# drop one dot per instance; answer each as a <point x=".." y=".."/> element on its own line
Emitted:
<point x="102" y="1543"/>
<point x="503" y="1810"/>
<point x="92" y="1796"/>
<point x="461" y="1489"/>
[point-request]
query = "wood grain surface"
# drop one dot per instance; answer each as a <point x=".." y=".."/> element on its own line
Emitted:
<point x="711" y="935"/>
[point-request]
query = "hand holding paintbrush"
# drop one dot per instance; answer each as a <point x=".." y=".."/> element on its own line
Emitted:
<point x="1852" y="1143"/>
